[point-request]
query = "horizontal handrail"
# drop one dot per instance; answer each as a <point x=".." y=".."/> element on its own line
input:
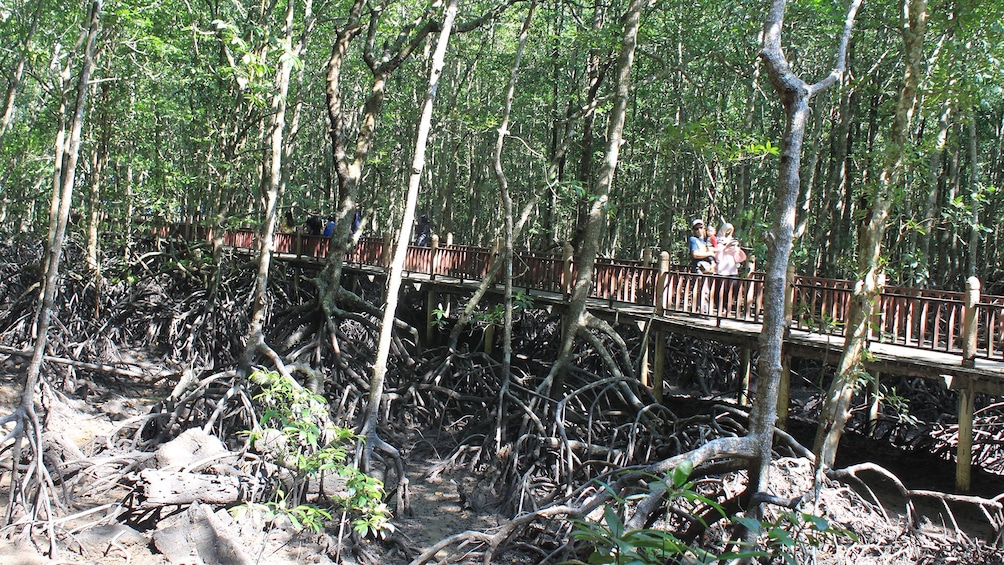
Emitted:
<point x="928" y="319"/>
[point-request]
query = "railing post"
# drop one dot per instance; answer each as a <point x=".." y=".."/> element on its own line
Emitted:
<point x="661" y="281"/>
<point x="433" y="253"/>
<point x="449" y="238"/>
<point x="789" y="295"/>
<point x="969" y="319"/>
<point x="964" y="455"/>
<point x="385" y="258"/>
<point x="566" y="269"/>
<point x="876" y="316"/>
<point x="659" y="354"/>
<point x="752" y="308"/>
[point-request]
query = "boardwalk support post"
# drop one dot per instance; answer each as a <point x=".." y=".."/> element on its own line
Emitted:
<point x="433" y="253"/>
<point x="964" y="456"/>
<point x="969" y="320"/>
<point x="874" y="400"/>
<point x="566" y="269"/>
<point x="784" y="392"/>
<point x="659" y="366"/>
<point x="745" y="370"/>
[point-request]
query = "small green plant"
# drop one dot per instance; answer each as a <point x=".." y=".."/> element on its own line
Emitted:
<point x="613" y="543"/>
<point x="294" y="432"/>
<point x="789" y="538"/>
<point x="303" y="516"/>
<point x="793" y="535"/>
<point x="521" y="301"/>
<point x="439" y="318"/>
<point x="900" y="406"/>
<point x="823" y="324"/>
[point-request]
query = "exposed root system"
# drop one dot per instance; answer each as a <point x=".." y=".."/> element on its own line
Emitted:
<point x="544" y="456"/>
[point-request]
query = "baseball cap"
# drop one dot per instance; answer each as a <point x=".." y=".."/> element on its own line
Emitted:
<point x="696" y="223"/>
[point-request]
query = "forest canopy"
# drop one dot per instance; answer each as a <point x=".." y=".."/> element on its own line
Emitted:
<point x="177" y="123"/>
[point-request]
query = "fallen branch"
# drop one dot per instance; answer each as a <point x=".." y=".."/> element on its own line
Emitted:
<point x="97" y="367"/>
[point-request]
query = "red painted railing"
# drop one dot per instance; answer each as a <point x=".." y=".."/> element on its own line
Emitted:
<point x="919" y="318"/>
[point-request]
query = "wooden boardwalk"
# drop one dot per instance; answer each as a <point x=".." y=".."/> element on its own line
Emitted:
<point x="955" y="338"/>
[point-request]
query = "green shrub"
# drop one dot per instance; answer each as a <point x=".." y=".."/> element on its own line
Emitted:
<point x="295" y="432"/>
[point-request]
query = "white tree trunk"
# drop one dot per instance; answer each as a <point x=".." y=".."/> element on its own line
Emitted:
<point x="397" y="264"/>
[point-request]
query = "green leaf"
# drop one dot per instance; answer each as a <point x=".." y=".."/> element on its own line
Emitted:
<point x="682" y="472"/>
<point x="613" y="521"/>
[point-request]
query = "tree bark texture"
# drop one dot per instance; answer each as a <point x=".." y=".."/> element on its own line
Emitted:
<point x="836" y="407"/>
<point x="794" y="95"/>
<point x="401" y="249"/>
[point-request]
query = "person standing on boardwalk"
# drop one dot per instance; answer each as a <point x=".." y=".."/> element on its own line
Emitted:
<point x="729" y="254"/>
<point x="423" y="232"/>
<point x="702" y="255"/>
<point x="288" y="224"/>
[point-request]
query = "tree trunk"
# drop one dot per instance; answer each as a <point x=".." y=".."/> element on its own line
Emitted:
<point x="930" y="220"/>
<point x="506" y="198"/>
<point x="794" y="94"/>
<point x="63" y="179"/>
<point x="577" y="317"/>
<point x="974" y="189"/>
<point x="836" y="407"/>
<point x="273" y="167"/>
<point x="14" y="81"/>
<point x="369" y="427"/>
<point x="836" y="179"/>
<point x="350" y="173"/>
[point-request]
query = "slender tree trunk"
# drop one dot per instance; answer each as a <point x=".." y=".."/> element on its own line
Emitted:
<point x="369" y="427"/>
<point x="973" y="257"/>
<point x="99" y="162"/>
<point x="506" y="198"/>
<point x="577" y="316"/>
<point x="795" y="95"/>
<point x="274" y="165"/>
<point x="14" y="81"/>
<point x="595" y="72"/>
<point x="349" y="173"/>
<point x="66" y="164"/>
<point x="836" y="407"/>
<point x="930" y="221"/>
<point x="836" y="179"/>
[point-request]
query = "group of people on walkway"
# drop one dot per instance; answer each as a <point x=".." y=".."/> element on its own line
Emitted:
<point x="715" y="252"/>
<point x="317" y="225"/>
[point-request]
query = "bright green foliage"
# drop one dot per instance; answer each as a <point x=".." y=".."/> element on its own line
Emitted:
<point x="493" y="316"/>
<point x="613" y="543"/>
<point x="792" y="536"/>
<point x="295" y="432"/>
<point x="788" y="539"/>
